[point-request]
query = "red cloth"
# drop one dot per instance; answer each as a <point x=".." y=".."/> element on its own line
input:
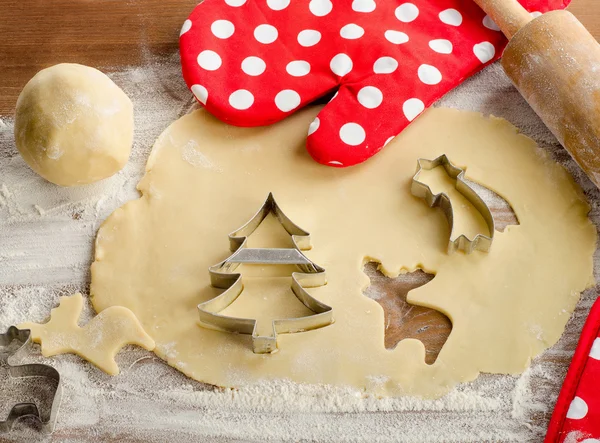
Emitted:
<point x="576" y="418"/>
<point x="253" y="62"/>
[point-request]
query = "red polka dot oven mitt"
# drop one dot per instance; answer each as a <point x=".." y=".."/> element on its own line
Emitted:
<point x="576" y="418"/>
<point x="253" y="62"/>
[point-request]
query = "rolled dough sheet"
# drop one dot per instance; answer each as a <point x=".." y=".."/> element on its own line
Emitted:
<point x="205" y="179"/>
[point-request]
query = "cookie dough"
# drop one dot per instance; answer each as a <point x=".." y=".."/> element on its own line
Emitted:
<point x="97" y="342"/>
<point x="204" y="179"/>
<point x="73" y="125"/>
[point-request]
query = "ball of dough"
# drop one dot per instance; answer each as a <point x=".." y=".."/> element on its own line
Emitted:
<point x="73" y="125"/>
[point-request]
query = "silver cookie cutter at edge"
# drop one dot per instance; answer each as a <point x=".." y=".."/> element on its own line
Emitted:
<point x="419" y="189"/>
<point x="222" y="276"/>
<point x="20" y="410"/>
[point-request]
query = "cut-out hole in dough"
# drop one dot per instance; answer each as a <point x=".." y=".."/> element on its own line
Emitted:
<point x="503" y="213"/>
<point x="402" y="319"/>
<point x="467" y="219"/>
<point x="367" y="204"/>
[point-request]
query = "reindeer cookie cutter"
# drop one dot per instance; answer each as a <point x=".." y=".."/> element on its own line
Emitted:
<point x="47" y="416"/>
<point x="222" y="275"/>
<point x="461" y="242"/>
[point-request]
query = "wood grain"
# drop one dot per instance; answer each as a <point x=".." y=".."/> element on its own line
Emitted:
<point x="108" y="34"/>
<point x="404" y="320"/>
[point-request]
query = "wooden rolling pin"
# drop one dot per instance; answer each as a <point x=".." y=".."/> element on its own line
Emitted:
<point x="555" y="64"/>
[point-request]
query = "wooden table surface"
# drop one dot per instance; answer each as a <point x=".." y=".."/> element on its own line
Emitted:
<point x="110" y="34"/>
<point x="107" y="34"/>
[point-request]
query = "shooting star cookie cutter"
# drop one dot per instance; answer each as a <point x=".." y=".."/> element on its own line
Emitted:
<point x="223" y="276"/>
<point x="419" y="189"/>
<point x="47" y="418"/>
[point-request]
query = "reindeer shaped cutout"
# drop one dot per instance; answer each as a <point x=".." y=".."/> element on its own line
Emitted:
<point x="97" y="342"/>
<point x="441" y="185"/>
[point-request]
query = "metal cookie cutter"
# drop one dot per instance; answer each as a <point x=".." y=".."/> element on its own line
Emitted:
<point x="419" y="189"/>
<point x="223" y="276"/>
<point x="19" y="410"/>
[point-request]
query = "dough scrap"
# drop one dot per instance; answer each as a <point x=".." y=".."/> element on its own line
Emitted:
<point x="73" y="125"/>
<point x="97" y="342"/>
<point x="506" y="306"/>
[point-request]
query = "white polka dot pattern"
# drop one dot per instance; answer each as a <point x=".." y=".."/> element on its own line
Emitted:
<point x="441" y="46"/>
<point x="314" y="126"/>
<point x="341" y="65"/>
<point x="309" y="37"/>
<point x="298" y="68"/>
<point x="396" y="37"/>
<point x="352" y="32"/>
<point x="430" y="75"/>
<point x="370" y="97"/>
<point x="287" y="100"/>
<point x="352" y="134"/>
<point x="278" y="5"/>
<point x="187" y="25"/>
<point x="209" y="60"/>
<point x="200" y="93"/>
<point x="412" y="108"/>
<point x="222" y="29"/>
<point x="363" y="5"/>
<point x="253" y="66"/>
<point x="451" y="17"/>
<point x="241" y="99"/>
<point x="578" y="409"/>
<point x="320" y="8"/>
<point x="484" y="51"/>
<point x="595" y="351"/>
<point x="385" y="65"/>
<point x="254" y="62"/>
<point x="490" y="24"/>
<point x="266" y="34"/>
<point x="407" y="12"/>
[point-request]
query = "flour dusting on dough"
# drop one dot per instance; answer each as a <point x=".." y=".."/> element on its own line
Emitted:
<point x="191" y="154"/>
<point x="487" y="309"/>
<point x="152" y="402"/>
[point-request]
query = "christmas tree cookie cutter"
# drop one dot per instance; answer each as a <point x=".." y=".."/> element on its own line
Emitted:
<point x="47" y="417"/>
<point x="456" y="242"/>
<point x="223" y="276"/>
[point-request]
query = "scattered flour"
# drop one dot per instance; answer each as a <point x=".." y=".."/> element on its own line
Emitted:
<point x="46" y="246"/>
<point x="194" y="157"/>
